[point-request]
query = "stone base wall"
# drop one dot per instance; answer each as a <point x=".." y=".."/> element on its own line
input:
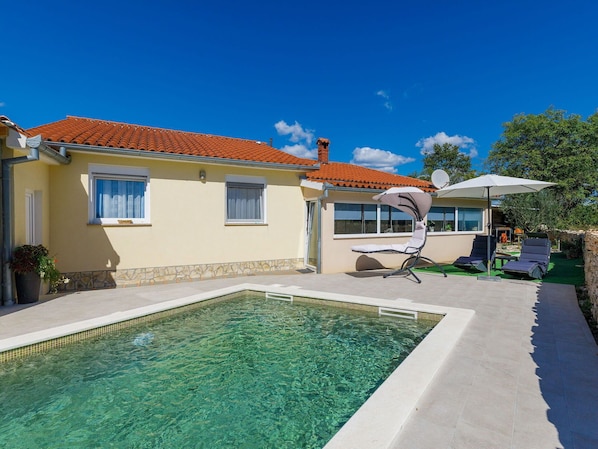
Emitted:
<point x="590" y="262"/>
<point x="135" y="277"/>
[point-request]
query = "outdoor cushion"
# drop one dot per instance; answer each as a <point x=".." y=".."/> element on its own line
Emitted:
<point x="414" y="245"/>
<point x="533" y="261"/>
<point x="477" y="259"/>
<point x="412" y="248"/>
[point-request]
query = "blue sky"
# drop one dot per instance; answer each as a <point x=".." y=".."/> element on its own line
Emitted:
<point x="382" y="80"/>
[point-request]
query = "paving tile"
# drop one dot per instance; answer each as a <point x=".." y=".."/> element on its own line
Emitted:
<point x="523" y="374"/>
<point x="489" y="408"/>
<point x="422" y="434"/>
<point x="469" y="436"/>
<point x="584" y="441"/>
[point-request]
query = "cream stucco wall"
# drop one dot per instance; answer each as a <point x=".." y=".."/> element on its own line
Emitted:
<point x="31" y="177"/>
<point x="337" y="256"/>
<point x="187" y="218"/>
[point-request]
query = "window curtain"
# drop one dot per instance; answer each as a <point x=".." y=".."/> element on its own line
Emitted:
<point x="120" y="198"/>
<point x="244" y="201"/>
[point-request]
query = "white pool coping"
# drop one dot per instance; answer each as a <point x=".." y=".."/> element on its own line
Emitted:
<point x="378" y="422"/>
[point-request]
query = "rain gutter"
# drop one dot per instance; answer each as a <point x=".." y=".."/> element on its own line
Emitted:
<point x="7" y="215"/>
<point x="362" y="189"/>
<point x="36" y="147"/>
<point x="180" y="157"/>
<point x="324" y="195"/>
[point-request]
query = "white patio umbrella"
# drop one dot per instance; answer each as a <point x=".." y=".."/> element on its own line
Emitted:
<point x="491" y="186"/>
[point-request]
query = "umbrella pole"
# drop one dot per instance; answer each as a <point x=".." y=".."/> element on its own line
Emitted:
<point x="489" y="226"/>
<point x="488" y="277"/>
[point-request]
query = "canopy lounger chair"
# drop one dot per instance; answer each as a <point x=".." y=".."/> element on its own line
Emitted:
<point x="477" y="259"/>
<point x="533" y="260"/>
<point x="416" y="203"/>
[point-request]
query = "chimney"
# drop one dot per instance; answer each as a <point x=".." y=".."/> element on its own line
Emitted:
<point x="323" y="150"/>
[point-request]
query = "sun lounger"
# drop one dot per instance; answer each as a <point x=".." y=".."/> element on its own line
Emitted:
<point x="412" y="248"/>
<point x="478" y="258"/>
<point x="533" y="261"/>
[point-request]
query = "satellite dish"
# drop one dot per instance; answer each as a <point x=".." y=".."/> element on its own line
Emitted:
<point x="440" y="179"/>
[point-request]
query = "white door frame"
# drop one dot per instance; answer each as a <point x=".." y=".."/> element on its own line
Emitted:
<point x="33" y="217"/>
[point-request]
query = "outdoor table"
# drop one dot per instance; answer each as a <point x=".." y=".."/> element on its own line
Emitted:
<point x="503" y="257"/>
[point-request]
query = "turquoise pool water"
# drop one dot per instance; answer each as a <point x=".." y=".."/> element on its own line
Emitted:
<point x="241" y="373"/>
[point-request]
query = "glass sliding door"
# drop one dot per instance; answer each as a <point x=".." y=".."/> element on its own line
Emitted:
<point x="312" y="235"/>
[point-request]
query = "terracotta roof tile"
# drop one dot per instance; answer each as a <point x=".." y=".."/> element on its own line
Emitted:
<point x="354" y="176"/>
<point x="106" y="134"/>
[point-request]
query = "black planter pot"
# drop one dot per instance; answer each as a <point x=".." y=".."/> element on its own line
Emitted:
<point x="27" y="285"/>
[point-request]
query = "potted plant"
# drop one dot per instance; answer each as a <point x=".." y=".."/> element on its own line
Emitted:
<point x="32" y="264"/>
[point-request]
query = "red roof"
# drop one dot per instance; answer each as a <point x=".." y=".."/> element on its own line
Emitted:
<point x="106" y="134"/>
<point x="355" y="176"/>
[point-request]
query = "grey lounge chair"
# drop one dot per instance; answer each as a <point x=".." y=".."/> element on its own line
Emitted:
<point x="477" y="259"/>
<point x="533" y="261"/>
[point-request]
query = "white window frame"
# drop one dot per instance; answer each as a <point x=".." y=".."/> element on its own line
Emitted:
<point x="256" y="180"/>
<point x="379" y="232"/>
<point x="98" y="171"/>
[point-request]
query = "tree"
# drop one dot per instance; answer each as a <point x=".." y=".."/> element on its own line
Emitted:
<point x="448" y="158"/>
<point x="551" y="147"/>
<point x="532" y="211"/>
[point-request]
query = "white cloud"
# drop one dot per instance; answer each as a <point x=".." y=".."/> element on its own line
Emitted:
<point x="466" y="144"/>
<point x="300" y="150"/>
<point x="379" y="159"/>
<point x="386" y="96"/>
<point x="301" y="138"/>
<point x="296" y="131"/>
<point x="2" y="104"/>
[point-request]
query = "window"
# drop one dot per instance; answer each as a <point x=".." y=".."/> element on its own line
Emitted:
<point x="118" y="195"/>
<point x="355" y="218"/>
<point x="245" y="200"/>
<point x="394" y="220"/>
<point x="470" y="219"/>
<point x="376" y="219"/>
<point x="441" y="219"/>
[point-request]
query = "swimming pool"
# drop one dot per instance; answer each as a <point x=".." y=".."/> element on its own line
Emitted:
<point x="144" y="341"/>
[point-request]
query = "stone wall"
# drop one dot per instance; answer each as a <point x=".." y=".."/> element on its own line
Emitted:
<point x="569" y="242"/>
<point x="590" y="262"/>
<point x="135" y="277"/>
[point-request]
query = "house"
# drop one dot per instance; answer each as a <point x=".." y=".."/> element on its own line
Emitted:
<point x="121" y="204"/>
<point x="341" y="195"/>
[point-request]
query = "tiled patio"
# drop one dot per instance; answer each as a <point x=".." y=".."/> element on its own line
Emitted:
<point x="523" y="375"/>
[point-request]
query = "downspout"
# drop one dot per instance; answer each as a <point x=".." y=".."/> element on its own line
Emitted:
<point x="7" y="216"/>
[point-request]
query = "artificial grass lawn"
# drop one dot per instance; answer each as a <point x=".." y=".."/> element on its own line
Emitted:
<point x="560" y="271"/>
